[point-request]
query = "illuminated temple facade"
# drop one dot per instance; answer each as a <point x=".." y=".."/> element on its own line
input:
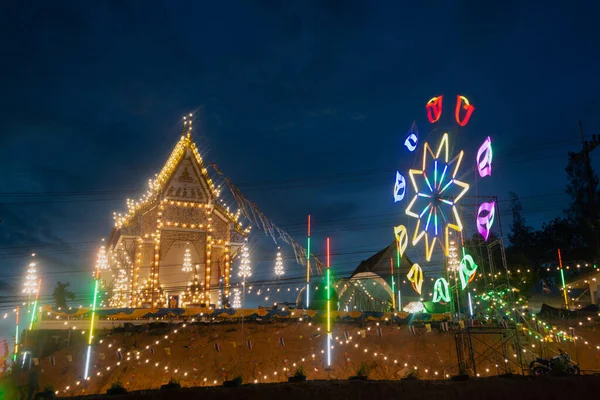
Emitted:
<point x="174" y="247"/>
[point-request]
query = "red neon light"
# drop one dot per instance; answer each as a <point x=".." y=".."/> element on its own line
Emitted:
<point x="309" y="225"/>
<point x="328" y="253"/>
<point x="463" y="103"/>
<point x="434" y="109"/>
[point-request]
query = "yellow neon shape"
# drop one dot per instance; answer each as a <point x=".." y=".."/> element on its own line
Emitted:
<point x="415" y="276"/>
<point x="442" y="149"/>
<point x="443" y="146"/>
<point x="401" y="238"/>
<point x="417" y="236"/>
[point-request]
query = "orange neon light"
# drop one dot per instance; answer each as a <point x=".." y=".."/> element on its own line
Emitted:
<point x="462" y="103"/>
<point x="434" y="109"/>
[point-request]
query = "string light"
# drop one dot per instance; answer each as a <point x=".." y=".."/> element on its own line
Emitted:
<point x="187" y="261"/>
<point x="31" y="280"/>
<point x="245" y="270"/>
<point x="278" y="264"/>
<point x="102" y="261"/>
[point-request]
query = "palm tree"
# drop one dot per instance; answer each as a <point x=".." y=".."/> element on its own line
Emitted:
<point x="61" y="294"/>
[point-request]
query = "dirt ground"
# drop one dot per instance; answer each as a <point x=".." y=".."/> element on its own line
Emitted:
<point x="207" y="355"/>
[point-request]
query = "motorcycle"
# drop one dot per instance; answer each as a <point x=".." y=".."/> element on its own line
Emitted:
<point x="561" y="362"/>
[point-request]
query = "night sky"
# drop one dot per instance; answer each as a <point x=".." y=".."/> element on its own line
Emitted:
<point x="303" y="104"/>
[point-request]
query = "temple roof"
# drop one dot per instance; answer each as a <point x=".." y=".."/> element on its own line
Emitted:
<point x="184" y="147"/>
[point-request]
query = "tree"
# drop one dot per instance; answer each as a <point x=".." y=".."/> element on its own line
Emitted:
<point x="582" y="185"/>
<point x="61" y="294"/>
<point x="522" y="236"/>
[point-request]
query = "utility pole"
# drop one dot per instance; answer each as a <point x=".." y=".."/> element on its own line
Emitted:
<point x="587" y="148"/>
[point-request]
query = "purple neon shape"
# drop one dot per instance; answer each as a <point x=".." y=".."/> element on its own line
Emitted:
<point x="484" y="158"/>
<point x="485" y="218"/>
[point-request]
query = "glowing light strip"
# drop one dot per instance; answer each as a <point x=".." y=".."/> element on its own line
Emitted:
<point x="428" y="220"/>
<point x="443" y="175"/>
<point x="463" y="103"/>
<point x="37" y="296"/>
<point x="89" y="349"/>
<point x="401" y="240"/>
<point x="484" y="158"/>
<point x="434" y="109"/>
<point x="485" y="218"/>
<point x="441" y="291"/>
<point x="328" y="307"/>
<point x="399" y="187"/>
<point x="393" y="283"/>
<point x="308" y="267"/>
<point x="450" y="182"/>
<point x="17" y="337"/>
<point x="412" y="139"/>
<point x="415" y="276"/>
<point x="470" y="305"/>
<point x="425" y="210"/>
<point x="427" y="181"/>
<point x="466" y="273"/>
<point x="562" y="277"/>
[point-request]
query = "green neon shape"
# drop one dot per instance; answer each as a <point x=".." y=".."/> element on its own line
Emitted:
<point x="465" y="271"/>
<point x="440" y="291"/>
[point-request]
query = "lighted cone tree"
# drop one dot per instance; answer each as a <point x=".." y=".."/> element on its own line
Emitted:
<point x="278" y="264"/>
<point x="187" y="261"/>
<point x="120" y="289"/>
<point x="245" y="270"/>
<point x="31" y="280"/>
<point x="237" y="299"/>
<point x="102" y="260"/>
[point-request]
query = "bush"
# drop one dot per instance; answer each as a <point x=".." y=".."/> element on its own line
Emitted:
<point x="362" y="371"/>
<point x="413" y="374"/>
<point x="300" y="372"/>
<point x="116" y="388"/>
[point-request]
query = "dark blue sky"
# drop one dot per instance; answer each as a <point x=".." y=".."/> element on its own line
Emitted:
<point x="92" y="97"/>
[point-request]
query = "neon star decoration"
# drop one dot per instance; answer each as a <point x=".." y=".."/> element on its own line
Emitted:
<point x="441" y="291"/>
<point x="434" y="109"/>
<point x="415" y="276"/>
<point x="399" y="187"/>
<point x="412" y="140"/>
<point x="434" y="204"/>
<point x="484" y="158"/>
<point x="462" y="104"/>
<point x="401" y="238"/>
<point x="466" y="270"/>
<point x="485" y="218"/>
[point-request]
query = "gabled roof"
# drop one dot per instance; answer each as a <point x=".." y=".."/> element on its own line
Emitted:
<point x="379" y="263"/>
<point x="157" y="185"/>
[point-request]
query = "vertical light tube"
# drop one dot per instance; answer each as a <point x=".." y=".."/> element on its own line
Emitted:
<point x="393" y="284"/>
<point x="470" y="305"/>
<point x="16" y="337"/>
<point x="328" y="307"/>
<point x="308" y="267"/>
<point x="37" y="296"/>
<point x="398" y="260"/>
<point x="562" y="277"/>
<point x="89" y="349"/>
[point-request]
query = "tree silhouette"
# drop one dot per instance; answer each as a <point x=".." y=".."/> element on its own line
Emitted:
<point x="61" y="294"/>
<point x="580" y="211"/>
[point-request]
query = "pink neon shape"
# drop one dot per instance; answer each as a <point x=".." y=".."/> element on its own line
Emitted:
<point x="484" y="158"/>
<point x="485" y="218"/>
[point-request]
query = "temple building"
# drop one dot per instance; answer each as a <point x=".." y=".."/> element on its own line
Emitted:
<point x="174" y="247"/>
